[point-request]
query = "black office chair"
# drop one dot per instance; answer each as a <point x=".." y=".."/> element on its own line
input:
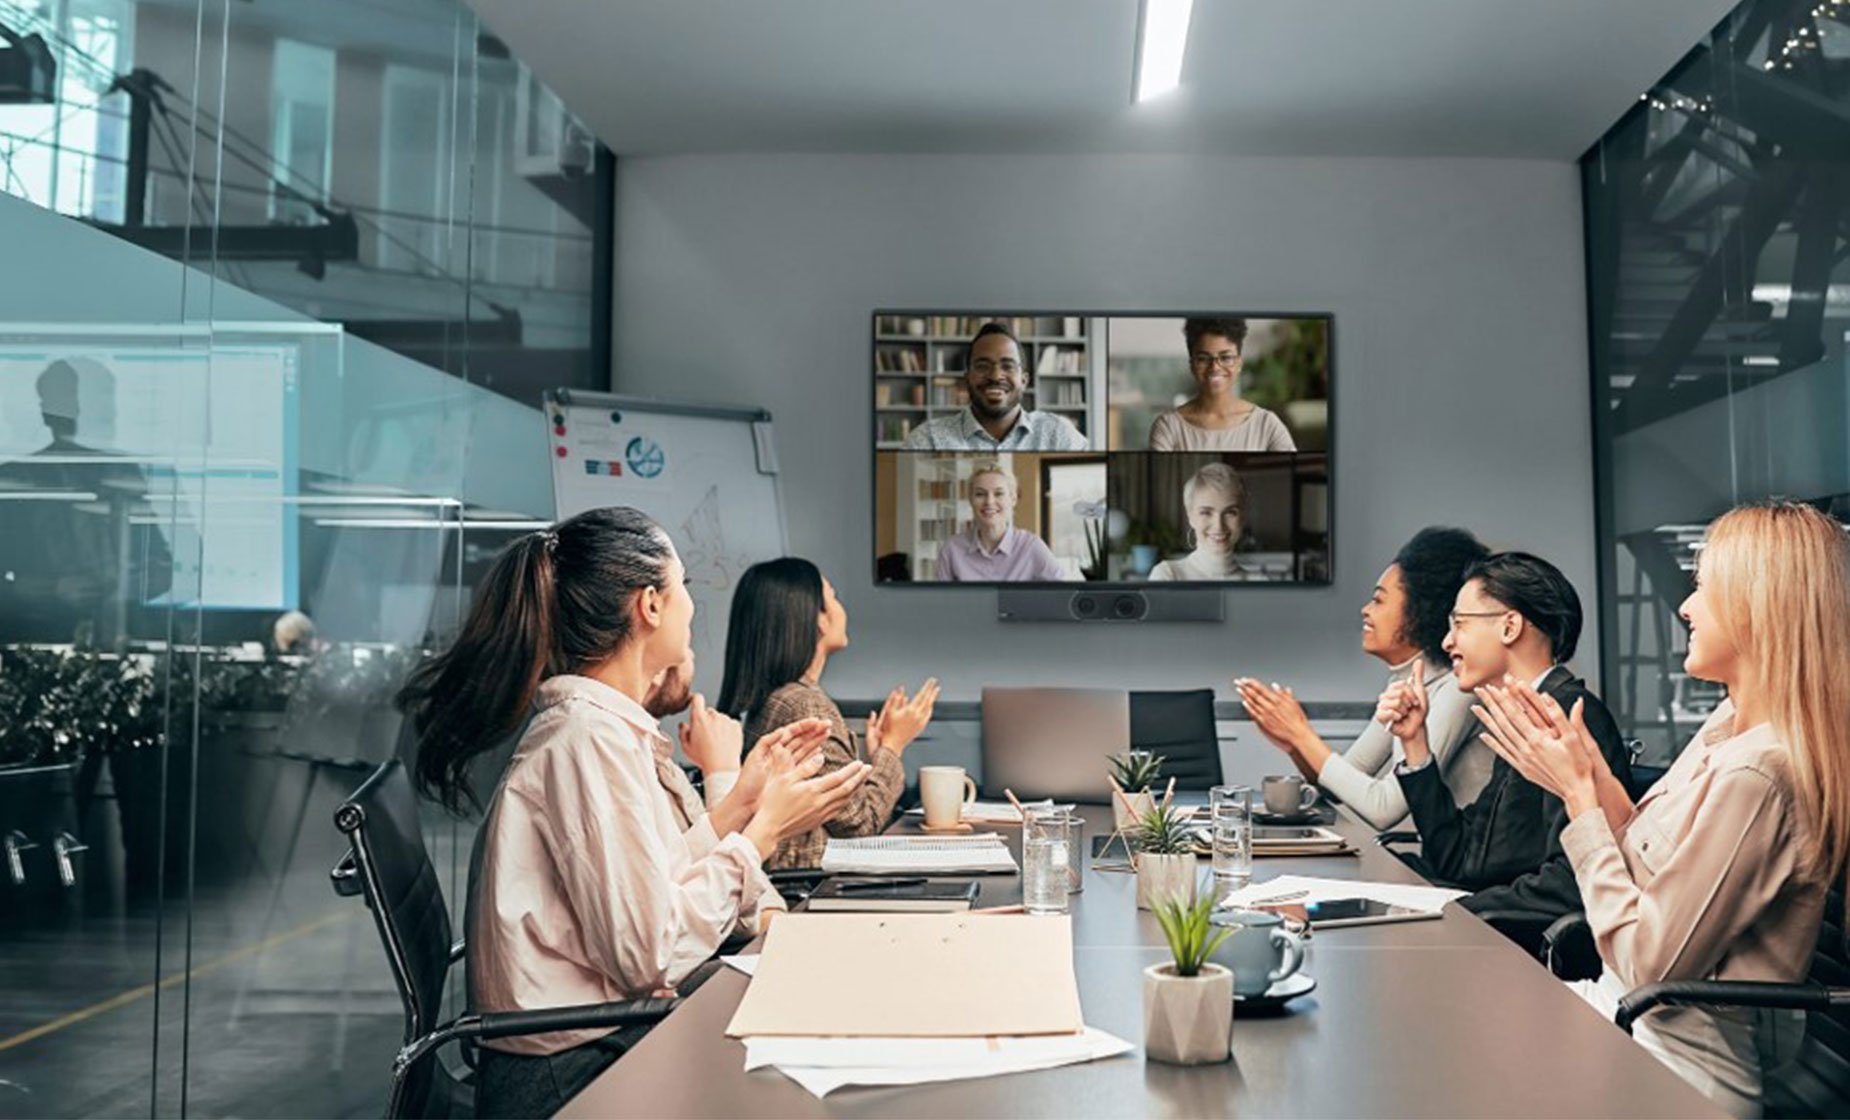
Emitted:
<point x="388" y="864"/>
<point x="1180" y="727"/>
<point x="1817" y="1081"/>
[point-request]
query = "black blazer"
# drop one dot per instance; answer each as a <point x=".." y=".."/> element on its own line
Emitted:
<point x="1514" y="827"/>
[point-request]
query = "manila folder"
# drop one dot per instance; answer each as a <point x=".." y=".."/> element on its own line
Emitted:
<point x="914" y="975"/>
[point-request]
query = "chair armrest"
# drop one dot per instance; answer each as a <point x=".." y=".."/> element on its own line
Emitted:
<point x="1389" y="839"/>
<point x="504" y="1024"/>
<point x="457" y="949"/>
<point x="588" y="1016"/>
<point x="1734" y="993"/>
<point x="345" y="876"/>
<point x="1564" y="926"/>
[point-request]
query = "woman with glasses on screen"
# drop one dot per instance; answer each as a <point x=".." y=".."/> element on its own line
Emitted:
<point x="786" y="624"/>
<point x="1216" y="418"/>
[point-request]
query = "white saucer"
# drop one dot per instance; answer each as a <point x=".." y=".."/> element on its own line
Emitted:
<point x="1279" y="994"/>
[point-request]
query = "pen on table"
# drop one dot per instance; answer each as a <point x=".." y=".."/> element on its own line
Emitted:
<point x="878" y="884"/>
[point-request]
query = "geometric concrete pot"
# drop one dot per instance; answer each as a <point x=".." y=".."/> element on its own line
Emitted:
<point x="1187" y="1020"/>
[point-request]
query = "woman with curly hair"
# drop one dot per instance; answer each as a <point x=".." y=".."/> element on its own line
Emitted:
<point x="1403" y="623"/>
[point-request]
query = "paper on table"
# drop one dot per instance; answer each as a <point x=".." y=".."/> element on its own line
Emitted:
<point x="822" y="1065"/>
<point x="913" y="976"/>
<point x="1302" y="889"/>
<point x="744" y="962"/>
<point x="981" y="854"/>
<point x="1001" y="812"/>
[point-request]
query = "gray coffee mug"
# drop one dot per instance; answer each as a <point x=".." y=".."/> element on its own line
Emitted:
<point x="1260" y="953"/>
<point x="1287" y="795"/>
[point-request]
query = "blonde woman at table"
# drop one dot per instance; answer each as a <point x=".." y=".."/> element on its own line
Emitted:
<point x="1721" y="870"/>
<point x="1403" y="624"/>
<point x="588" y="889"/>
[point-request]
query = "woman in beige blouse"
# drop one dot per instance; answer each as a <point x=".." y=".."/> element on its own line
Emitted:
<point x="591" y="886"/>
<point x="786" y="624"/>
<point x="1721" y="869"/>
<point x="1215" y="418"/>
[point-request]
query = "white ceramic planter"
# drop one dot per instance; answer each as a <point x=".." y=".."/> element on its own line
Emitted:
<point x="1187" y="1020"/>
<point x="1162" y="877"/>
<point x="1142" y="802"/>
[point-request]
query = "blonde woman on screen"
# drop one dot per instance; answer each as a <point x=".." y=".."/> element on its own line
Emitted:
<point x="1216" y="418"/>
<point x="1721" y="870"/>
<point x="1214" y="499"/>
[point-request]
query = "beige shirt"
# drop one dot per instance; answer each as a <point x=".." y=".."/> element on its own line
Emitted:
<point x="1262" y="430"/>
<point x="590" y="890"/>
<point x="1199" y="566"/>
<point x="1712" y="877"/>
<point x="1363" y="776"/>
<point x="871" y="807"/>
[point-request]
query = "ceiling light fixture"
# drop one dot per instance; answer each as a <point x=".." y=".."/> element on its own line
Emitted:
<point x="1162" y="38"/>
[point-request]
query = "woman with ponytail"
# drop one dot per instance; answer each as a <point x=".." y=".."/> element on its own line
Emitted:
<point x="1721" y="870"/>
<point x="589" y="888"/>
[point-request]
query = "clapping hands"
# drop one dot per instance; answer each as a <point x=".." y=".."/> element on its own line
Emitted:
<point x="1547" y="746"/>
<point x="900" y="719"/>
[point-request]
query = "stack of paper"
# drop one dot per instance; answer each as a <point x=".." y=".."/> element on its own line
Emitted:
<point x="1000" y="812"/>
<point x="979" y="854"/>
<point x="1297" y="890"/>
<point x="937" y="997"/>
<point x="823" y="1065"/>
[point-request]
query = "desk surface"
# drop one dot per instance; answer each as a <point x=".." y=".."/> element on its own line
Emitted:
<point x="1432" y="1018"/>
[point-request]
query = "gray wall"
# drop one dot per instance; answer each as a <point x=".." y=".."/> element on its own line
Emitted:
<point x="1461" y="372"/>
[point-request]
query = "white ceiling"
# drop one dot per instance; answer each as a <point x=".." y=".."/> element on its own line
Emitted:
<point x="1501" y="78"/>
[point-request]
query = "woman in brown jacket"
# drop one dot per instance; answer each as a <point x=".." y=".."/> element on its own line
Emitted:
<point x="785" y="625"/>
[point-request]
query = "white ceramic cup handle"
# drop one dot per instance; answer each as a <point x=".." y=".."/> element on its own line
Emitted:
<point x="969" y="790"/>
<point x="1294" y="955"/>
<point x="1307" y="797"/>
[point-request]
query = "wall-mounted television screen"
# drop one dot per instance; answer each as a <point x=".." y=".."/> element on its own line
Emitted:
<point x="1056" y="448"/>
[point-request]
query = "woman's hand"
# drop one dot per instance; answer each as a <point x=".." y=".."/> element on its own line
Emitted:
<point x="794" y="802"/>
<point x="1276" y="712"/>
<point x="1545" y="745"/>
<point x="711" y="740"/>
<point x="1403" y="708"/>
<point x="900" y="719"/>
<point x="798" y="742"/>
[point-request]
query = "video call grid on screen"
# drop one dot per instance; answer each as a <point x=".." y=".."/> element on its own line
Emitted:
<point x="1042" y="448"/>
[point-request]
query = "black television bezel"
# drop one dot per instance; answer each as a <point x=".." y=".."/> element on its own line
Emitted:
<point x="1146" y="586"/>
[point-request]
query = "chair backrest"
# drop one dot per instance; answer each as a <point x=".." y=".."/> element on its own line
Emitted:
<point x="1052" y="742"/>
<point x="1817" y="1083"/>
<point x="1180" y="727"/>
<point x="380" y="820"/>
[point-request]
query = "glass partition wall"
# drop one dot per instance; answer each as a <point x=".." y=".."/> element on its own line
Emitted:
<point x="279" y="286"/>
<point x="1718" y="212"/>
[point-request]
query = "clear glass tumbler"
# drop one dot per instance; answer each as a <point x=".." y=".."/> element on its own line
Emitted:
<point x="1230" y="824"/>
<point x="1047" y="845"/>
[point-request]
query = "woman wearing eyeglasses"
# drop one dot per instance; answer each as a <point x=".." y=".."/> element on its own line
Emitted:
<point x="1215" y="418"/>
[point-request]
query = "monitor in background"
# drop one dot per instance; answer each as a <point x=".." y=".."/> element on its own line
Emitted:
<point x="1126" y="449"/>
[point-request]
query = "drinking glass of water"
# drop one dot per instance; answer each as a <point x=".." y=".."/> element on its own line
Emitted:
<point x="1230" y="823"/>
<point x="1047" y="844"/>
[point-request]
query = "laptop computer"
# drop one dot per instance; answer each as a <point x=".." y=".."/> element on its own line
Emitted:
<point x="1053" y="742"/>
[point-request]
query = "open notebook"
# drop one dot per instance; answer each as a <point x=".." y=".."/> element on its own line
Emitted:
<point x="980" y="854"/>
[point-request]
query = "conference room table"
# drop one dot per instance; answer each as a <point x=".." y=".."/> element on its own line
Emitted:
<point x="1434" y="1018"/>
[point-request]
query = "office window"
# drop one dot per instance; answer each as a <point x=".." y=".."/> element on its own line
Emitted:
<point x="414" y="161"/>
<point x="1719" y="304"/>
<point x="302" y="129"/>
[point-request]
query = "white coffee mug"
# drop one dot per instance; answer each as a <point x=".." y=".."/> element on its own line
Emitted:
<point x="944" y="791"/>
<point x="1287" y="795"/>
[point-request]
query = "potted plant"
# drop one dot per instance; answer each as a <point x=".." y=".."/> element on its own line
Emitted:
<point x="1188" y="1001"/>
<point x="1135" y="772"/>
<point x="1165" y="859"/>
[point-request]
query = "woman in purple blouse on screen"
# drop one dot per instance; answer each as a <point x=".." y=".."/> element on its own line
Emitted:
<point x="992" y="549"/>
